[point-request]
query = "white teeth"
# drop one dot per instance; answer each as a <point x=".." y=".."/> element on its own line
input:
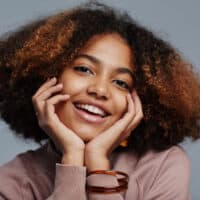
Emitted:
<point x="92" y="109"/>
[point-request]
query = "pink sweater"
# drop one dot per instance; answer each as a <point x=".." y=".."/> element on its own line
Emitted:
<point x="37" y="175"/>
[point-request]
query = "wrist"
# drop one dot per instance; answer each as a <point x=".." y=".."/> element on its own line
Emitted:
<point x="73" y="158"/>
<point x="96" y="162"/>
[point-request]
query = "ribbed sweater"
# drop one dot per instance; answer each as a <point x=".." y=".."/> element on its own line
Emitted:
<point x="38" y="175"/>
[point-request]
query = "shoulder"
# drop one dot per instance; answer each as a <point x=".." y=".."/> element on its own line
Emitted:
<point x="28" y="172"/>
<point x="167" y="157"/>
<point x="157" y="175"/>
<point x="176" y="165"/>
<point x="23" y="161"/>
<point x="25" y="166"/>
<point x="173" y="157"/>
<point x="166" y="173"/>
<point x="153" y="160"/>
<point x="173" y="160"/>
<point x="17" y="166"/>
<point x="13" y="175"/>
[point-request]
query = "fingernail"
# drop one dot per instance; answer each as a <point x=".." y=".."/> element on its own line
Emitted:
<point x="53" y="79"/>
<point x="128" y="95"/>
<point x="134" y="92"/>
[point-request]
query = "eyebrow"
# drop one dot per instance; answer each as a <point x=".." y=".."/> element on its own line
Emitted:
<point x="95" y="60"/>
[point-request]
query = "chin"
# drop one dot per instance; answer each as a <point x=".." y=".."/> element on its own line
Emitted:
<point x="87" y="132"/>
<point x="86" y="136"/>
<point x="86" y="140"/>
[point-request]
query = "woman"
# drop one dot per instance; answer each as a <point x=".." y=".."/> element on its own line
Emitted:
<point x="108" y="95"/>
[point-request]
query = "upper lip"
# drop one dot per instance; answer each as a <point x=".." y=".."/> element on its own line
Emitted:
<point x="98" y="105"/>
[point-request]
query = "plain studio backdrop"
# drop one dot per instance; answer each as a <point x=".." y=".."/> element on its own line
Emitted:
<point x="176" y="21"/>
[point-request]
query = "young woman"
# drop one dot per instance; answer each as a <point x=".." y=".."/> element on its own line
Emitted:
<point x="113" y="102"/>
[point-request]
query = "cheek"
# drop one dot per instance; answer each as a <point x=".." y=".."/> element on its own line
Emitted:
<point x="72" y="86"/>
<point x="120" y="103"/>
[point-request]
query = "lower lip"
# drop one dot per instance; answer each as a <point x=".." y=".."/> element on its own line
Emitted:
<point x="89" y="117"/>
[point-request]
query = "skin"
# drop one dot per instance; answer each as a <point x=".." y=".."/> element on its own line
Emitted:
<point x="95" y="76"/>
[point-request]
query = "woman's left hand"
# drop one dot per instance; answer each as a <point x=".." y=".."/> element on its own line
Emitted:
<point x="99" y="148"/>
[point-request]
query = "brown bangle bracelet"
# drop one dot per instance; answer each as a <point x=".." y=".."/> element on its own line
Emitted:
<point x="109" y="172"/>
<point x="106" y="190"/>
<point x="123" y="182"/>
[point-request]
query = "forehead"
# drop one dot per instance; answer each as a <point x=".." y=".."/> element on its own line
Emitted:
<point x="111" y="49"/>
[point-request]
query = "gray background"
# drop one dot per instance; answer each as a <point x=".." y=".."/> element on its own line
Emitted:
<point x="176" y="21"/>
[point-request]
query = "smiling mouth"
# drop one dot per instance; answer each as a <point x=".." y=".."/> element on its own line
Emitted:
<point x="91" y="110"/>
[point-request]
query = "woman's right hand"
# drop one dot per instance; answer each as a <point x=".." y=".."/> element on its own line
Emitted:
<point x="44" y="102"/>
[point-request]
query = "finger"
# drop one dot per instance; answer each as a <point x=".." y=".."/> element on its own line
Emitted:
<point x="47" y="107"/>
<point x="49" y="92"/>
<point x="112" y="137"/>
<point x="125" y="120"/>
<point x="130" y="112"/>
<point x="125" y="136"/>
<point x="138" y="104"/>
<point x="138" y="113"/>
<point x="50" y="103"/>
<point x="124" y="124"/>
<point x="136" y="121"/>
<point x="37" y="105"/>
<point x="50" y="115"/>
<point x="116" y="130"/>
<point x="57" y="98"/>
<point x="45" y="86"/>
<point x="131" y="107"/>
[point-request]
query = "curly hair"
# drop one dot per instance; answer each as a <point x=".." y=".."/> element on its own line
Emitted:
<point x="169" y="88"/>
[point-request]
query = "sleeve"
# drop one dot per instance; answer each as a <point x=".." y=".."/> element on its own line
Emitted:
<point x="10" y="187"/>
<point x="69" y="183"/>
<point x="172" y="181"/>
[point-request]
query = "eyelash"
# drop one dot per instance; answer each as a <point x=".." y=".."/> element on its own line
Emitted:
<point x="120" y="83"/>
<point x="83" y="69"/>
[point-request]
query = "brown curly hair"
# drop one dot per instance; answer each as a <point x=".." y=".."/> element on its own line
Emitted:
<point x="169" y="88"/>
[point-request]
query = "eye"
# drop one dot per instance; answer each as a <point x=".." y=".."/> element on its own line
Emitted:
<point x="122" y="84"/>
<point x="83" y="69"/>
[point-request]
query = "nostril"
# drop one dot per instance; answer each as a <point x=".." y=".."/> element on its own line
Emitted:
<point x="98" y="92"/>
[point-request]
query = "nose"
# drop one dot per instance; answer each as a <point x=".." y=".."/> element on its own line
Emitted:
<point x="99" y="89"/>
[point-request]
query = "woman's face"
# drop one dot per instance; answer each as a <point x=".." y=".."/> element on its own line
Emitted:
<point x="97" y="80"/>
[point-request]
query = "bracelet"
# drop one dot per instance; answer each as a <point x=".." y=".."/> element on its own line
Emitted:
<point x="106" y="190"/>
<point x="123" y="182"/>
<point x="109" y="172"/>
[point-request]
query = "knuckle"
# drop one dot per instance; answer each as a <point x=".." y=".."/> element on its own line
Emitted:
<point x="35" y="101"/>
<point x="46" y="124"/>
<point x="48" y="103"/>
<point x="42" y="124"/>
<point x="49" y="92"/>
